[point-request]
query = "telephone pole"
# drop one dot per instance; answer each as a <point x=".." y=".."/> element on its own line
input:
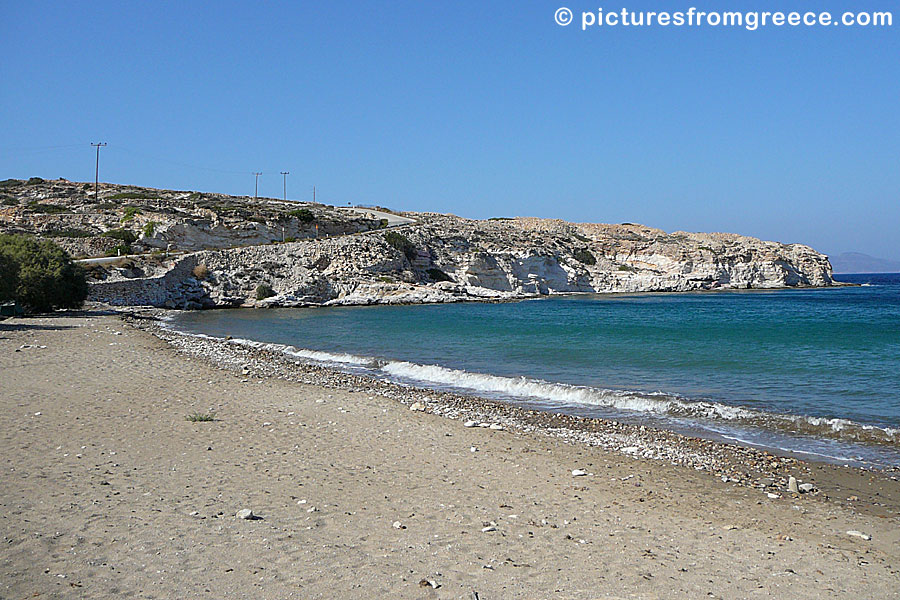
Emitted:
<point x="284" y="175"/>
<point x="314" y="194"/>
<point x="98" y="145"/>
<point x="256" y="189"/>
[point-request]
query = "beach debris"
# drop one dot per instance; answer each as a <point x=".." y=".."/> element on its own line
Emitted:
<point x="859" y="534"/>
<point x="578" y="473"/>
<point x="473" y="449"/>
<point x="247" y="515"/>
<point x="417" y="406"/>
<point x="496" y="427"/>
<point x="398" y="525"/>
<point x="301" y="501"/>
<point x="489" y="527"/>
<point x="470" y="424"/>
<point x="807" y="488"/>
<point x="772" y="496"/>
<point x="312" y="509"/>
<point x="429" y="583"/>
<point x="792" y="485"/>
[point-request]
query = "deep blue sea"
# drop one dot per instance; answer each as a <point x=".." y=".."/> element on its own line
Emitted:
<point x="811" y="372"/>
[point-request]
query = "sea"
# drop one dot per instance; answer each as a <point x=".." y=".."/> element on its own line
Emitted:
<point x="813" y="373"/>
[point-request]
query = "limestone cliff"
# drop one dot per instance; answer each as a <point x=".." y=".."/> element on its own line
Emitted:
<point x="443" y="258"/>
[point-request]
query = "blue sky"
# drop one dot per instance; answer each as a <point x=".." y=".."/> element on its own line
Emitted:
<point x="476" y="108"/>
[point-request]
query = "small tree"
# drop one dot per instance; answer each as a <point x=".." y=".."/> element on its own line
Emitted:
<point x="39" y="275"/>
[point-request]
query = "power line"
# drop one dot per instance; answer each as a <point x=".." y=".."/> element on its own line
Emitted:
<point x="98" y="145"/>
<point x="284" y="175"/>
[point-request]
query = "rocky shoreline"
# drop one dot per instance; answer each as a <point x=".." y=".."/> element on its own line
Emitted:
<point x="773" y="476"/>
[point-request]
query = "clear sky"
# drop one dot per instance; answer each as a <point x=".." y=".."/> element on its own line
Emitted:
<point x="476" y="108"/>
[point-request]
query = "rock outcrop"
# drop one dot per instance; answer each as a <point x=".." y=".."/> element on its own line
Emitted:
<point x="444" y="258"/>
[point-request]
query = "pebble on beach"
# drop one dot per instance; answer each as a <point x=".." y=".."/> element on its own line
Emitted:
<point x="859" y="534"/>
<point x="578" y="473"/>
<point x="247" y="514"/>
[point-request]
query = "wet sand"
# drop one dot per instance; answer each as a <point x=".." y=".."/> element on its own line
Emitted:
<point x="108" y="491"/>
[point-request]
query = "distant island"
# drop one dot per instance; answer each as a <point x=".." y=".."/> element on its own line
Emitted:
<point x="857" y="262"/>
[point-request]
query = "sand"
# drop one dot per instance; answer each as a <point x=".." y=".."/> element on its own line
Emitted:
<point x="108" y="491"/>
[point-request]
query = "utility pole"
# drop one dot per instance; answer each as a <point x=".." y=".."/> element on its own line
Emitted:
<point x="256" y="189"/>
<point x="314" y="194"/>
<point x="284" y="175"/>
<point x="98" y="145"/>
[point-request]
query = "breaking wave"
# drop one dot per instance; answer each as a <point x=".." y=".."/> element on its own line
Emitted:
<point x="655" y="403"/>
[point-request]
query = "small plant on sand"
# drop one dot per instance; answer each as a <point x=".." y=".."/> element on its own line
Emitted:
<point x="200" y="417"/>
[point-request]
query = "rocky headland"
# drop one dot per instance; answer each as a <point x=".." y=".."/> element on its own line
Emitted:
<point x="198" y="250"/>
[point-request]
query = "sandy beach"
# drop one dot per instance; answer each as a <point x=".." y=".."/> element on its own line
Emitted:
<point x="109" y="491"/>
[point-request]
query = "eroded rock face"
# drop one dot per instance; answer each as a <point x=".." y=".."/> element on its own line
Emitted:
<point x="449" y="259"/>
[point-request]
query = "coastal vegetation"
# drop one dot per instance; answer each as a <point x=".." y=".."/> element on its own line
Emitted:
<point x="39" y="275"/>
<point x="402" y="243"/>
<point x="584" y="256"/>
<point x="263" y="291"/>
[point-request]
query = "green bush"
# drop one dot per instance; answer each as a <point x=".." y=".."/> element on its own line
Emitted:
<point x="120" y="250"/>
<point x="67" y="232"/>
<point x="121" y="234"/>
<point x="39" y="275"/>
<point x="263" y="291"/>
<point x="401" y="243"/>
<point x="583" y="255"/>
<point x="303" y="214"/>
<point x="438" y="275"/>
<point x="150" y="228"/>
<point x="49" y="209"/>
<point x="35" y="180"/>
<point x="133" y="196"/>
<point x="129" y="212"/>
<point x="9" y="183"/>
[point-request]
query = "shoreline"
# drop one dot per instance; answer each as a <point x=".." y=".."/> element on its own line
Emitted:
<point x="748" y="466"/>
<point x="110" y="490"/>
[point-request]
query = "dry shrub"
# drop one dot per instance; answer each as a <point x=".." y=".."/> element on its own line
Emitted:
<point x="201" y="272"/>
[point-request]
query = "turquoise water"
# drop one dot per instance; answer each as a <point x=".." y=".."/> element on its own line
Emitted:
<point x="813" y="372"/>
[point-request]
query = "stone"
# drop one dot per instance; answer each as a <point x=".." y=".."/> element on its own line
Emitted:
<point x="246" y="514"/>
<point x="630" y="450"/>
<point x="578" y="473"/>
<point x="807" y="488"/>
<point x="497" y="427"/>
<point x="792" y="485"/>
<point x="488" y="529"/>
<point x="470" y="424"/>
<point x="398" y="525"/>
<point x="417" y="406"/>
<point x="859" y="534"/>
